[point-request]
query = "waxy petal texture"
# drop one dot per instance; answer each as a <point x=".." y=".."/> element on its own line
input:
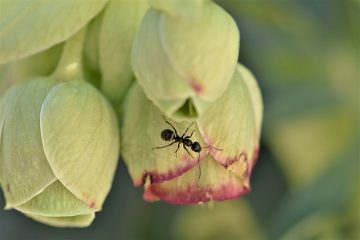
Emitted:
<point x="55" y="201"/>
<point x="120" y="23"/>
<point x="75" y="221"/>
<point x="195" y="58"/>
<point x="81" y="140"/>
<point x="232" y="124"/>
<point x="215" y="184"/>
<point x="25" y="170"/>
<point x="28" y="27"/>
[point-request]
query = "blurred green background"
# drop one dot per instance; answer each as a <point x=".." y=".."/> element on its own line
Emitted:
<point x="305" y="55"/>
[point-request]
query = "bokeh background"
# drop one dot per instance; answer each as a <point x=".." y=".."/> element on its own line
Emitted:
<point x="306" y="185"/>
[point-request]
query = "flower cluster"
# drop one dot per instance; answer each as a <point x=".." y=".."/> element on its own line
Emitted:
<point x="197" y="83"/>
<point x="160" y="77"/>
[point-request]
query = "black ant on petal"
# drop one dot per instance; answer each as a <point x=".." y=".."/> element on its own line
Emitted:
<point x="172" y="135"/>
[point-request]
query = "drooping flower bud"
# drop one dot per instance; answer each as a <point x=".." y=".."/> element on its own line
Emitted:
<point x="120" y="21"/>
<point x="228" y="134"/>
<point x="184" y="57"/>
<point x="59" y="148"/>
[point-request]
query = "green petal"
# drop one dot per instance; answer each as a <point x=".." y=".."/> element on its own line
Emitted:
<point x="1" y="125"/>
<point x="55" y="201"/>
<point x="195" y="58"/>
<point x="231" y="124"/>
<point x="75" y="221"/>
<point x="25" y="170"/>
<point x="205" y="49"/>
<point x="143" y="123"/>
<point x="255" y="95"/>
<point x="120" y="23"/>
<point x="81" y="140"/>
<point x="22" y="34"/>
<point x="215" y="184"/>
<point x="186" y="9"/>
<point x="41" y="64"/>
<point x="90" y="54"/>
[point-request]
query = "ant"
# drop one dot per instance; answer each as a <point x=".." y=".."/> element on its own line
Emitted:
<point x="172" y="135"/>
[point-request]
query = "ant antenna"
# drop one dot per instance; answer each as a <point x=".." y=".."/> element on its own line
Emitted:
<point x="199" y="157"/>
<point x="199" y="166"/>
<point x="212" y="147"/>
<point x="170" y="124"/>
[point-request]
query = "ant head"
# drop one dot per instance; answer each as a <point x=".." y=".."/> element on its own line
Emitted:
<point x="196" y="147"/>
<point x="167" y="134"/>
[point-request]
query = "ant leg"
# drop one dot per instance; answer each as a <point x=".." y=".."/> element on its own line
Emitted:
<point x="188" y="129"/>
<point x="199" y="166"/>
<point x="170" y="125"/>
<point x="187" y="151"/>
<point x="192" y="133"/>
<point x="177" y="149"/>
<point x="164" y="146"/>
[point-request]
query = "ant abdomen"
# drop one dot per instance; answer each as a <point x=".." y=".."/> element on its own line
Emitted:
<point x="196" y="147"/>
<point x="167" y="135"/>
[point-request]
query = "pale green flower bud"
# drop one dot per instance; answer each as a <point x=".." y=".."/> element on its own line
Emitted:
<point x="184" y="59"/>
<point x="228" y="133"/>
<point x="59" y="148"/>
<point x="107" y="47"/>
<point x="121" y="20"/>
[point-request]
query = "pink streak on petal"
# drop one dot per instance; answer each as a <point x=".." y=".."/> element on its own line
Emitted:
<point x="197" y="87"/>
<point x="196" y="194"/>
<point x="149" y="196"/>
<point x="157" y="177"/>
<point x="227" y="161"/>
<point x="92" y="205"/>
<point x="254" y="160"/>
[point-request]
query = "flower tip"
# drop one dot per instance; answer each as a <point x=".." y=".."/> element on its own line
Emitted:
<point x="8" y="207"/>
<point x="149" y="196"/>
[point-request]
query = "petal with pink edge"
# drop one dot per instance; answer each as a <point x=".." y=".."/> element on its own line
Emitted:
<point x="232" y="124"/>
<point x="215" y="184"/>
<point x="141" y="132"/>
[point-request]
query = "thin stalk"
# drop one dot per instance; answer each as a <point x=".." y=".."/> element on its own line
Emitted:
<point x="70" y="64"/>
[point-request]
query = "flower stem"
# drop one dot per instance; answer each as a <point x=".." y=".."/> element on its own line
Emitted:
<point x="70" y="65"/>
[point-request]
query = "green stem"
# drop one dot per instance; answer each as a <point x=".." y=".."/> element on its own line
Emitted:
<point x="70" y="64"/>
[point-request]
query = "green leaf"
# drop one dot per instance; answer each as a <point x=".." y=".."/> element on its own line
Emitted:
<point x="120" y="23"/>
<point x="25" y="170"/>
<point x="143" y="124"/>
<point x="330" y="192"/>
<point x="81" y="140"/>
<point x="55" y="201"/>
<point x="75" y="221"/>
<point x="30" y="27"/>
